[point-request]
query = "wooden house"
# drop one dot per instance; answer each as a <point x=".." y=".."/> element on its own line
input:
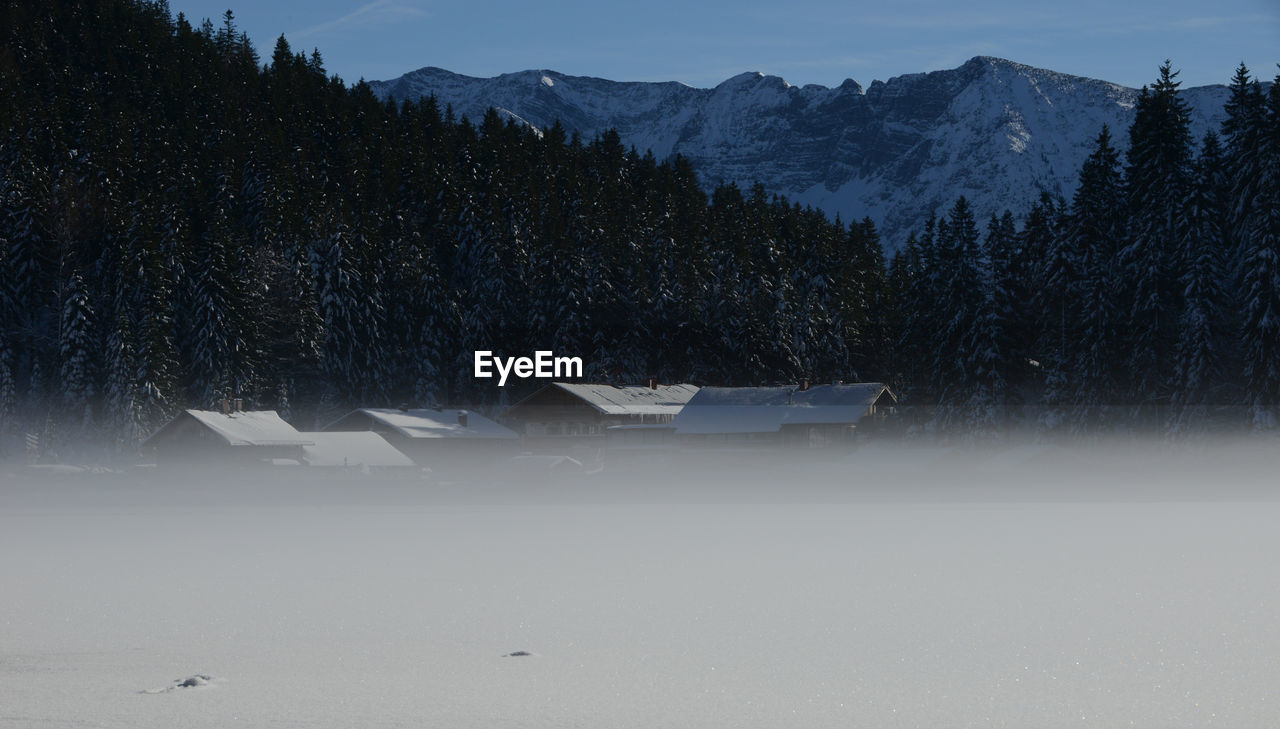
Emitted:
<point x="362" y="451"/>
<point x="252" y="437"/>
<point x="563" y="413"/>
<point x="796" y="417"/>
<point x="437" y="439"/>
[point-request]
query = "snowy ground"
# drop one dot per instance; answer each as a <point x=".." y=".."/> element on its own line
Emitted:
<point x="774" y="604"/>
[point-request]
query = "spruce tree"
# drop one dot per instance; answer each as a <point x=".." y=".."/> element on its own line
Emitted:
<point x="1095" y="227"/>
<point x="1051" y="270"/>
<point x="1243" y="132"/>
<point x="78" y="371"/>
<point x="996" y="353"/>
<point x="955" y="363"/>
<point x="1261" y="331"/>
<point x="1202" y="342"/>
<point x="8" y="396"/>
<point x="1158" y="179"/>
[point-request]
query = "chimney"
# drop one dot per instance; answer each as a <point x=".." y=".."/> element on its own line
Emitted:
<point x="653" y="383"/>
<point x="804" y="385"/>
<point x="462" y="418"/>
<point x="224" y="405"/>
<point x="237" y="405"/>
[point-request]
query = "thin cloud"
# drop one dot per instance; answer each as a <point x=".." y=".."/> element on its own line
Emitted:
<point x="377" y="13"/>
<point x="1196" y="23"/>
<point x="960" y="21"/>
<point x="1213" y="22"/>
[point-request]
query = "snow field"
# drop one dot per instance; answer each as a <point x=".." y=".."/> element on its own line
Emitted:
<point x="323" y="606"/>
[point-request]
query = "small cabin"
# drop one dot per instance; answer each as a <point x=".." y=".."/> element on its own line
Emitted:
<point x="794" y="417"/>
<point x="434" y="438"/>
<point x="362" y="451"/>
<point x="563" y="412"/>
<point x="243" y="437"/>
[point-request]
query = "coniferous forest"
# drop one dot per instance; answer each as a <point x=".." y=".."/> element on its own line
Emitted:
<point x="184" y="221"/>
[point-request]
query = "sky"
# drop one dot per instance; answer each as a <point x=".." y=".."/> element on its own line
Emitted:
<point x="804" y="41"/>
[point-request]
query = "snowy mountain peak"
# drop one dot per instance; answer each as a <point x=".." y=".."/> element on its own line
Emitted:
<point x="850" y="86"/>
<point x="996" y="131"/>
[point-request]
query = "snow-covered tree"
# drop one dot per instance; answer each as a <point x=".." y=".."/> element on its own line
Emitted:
<point x="77" y="350"/>
<point x="8" y="395"/>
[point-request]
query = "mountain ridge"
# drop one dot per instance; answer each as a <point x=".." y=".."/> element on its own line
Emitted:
<point x="999" y="132"/>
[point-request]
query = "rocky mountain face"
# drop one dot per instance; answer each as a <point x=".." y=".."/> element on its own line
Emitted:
<point x="998" y="132"/>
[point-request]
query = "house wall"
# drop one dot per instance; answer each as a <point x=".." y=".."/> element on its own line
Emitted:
<point x="801" y="437"/>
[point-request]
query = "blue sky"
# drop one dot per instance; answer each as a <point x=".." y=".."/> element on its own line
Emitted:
<point x="804" y="41"/>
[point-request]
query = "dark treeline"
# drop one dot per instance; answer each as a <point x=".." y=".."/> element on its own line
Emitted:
<point x="183" y="222"/>
<point x="1151" y="299"/>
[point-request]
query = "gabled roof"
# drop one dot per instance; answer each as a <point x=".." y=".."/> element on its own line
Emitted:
<point x="768" y="409"/>
<point x="631" y="399"/>
<point x="425" y="423"/>
<point x="353" y="448"/>
<point x="245" y="428"/>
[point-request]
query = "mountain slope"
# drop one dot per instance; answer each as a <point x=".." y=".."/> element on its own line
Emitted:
<point x="995" y="131"/>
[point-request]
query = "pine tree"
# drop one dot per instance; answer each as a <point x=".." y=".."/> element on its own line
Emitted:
<point x="1095" y="226"/>
<point x="1202" y="342"/>
<point x="1052" y="268"/>
<point x="956" y="363"/>
<point x="8" y="396"/>
<point x="919" y="326"/>
<point x="1261" y="331"/>
<point x="437" y="325"/>
<point x="124" y="410"/>
<point x="76" y="347"/>
<point x="210" y="341"/>
<point x="1243" y="131"/>
<point x="1158" y="179"/>
<point x="335" y="285"/>
<point x="869" y="314"/>
<point x="995" y="352"/>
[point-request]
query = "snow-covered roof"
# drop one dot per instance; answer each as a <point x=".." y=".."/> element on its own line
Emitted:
<point x="425" y="423"/>
<point x="631" y="399"/>
<point x="766" y="409"/>
<point x="250" y="428"/>
<point x="352" y="448"/>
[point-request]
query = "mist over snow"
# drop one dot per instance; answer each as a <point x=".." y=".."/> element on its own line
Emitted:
<point x="896" y="587"/>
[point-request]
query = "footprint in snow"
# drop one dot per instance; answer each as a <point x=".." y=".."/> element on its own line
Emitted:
<point x="194" y="681"/>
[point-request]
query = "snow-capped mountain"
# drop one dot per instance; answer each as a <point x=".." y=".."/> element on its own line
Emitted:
<point x="995" y="131"/>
